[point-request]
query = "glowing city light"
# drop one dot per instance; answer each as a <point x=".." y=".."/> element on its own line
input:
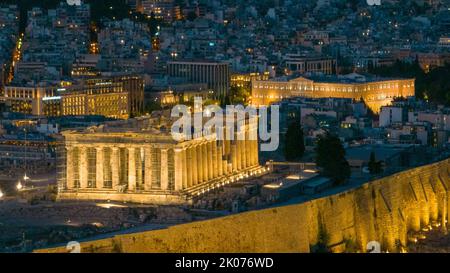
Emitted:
<point x="19" y="186"/>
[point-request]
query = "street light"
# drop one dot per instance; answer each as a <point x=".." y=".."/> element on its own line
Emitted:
<point x="1" y="194"/>
<point x="19" y="186"/>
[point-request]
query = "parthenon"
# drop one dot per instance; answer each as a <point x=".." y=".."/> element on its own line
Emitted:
<point x="137" y="160"/>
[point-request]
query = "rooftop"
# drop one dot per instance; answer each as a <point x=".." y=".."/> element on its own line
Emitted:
<point x="322" y="78"/>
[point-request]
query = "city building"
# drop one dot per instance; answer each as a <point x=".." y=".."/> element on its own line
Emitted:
<point x="25" y="99"/>
<point x="168" y="10"/>
<point x="215" y="74"/>
<point x="138" y="160"/>
<point x="303" y="64"/>
<point x="392" y="114"/>
<point x="245" y="79"/>
<point x="375" y="92"/>
<point x="432" y="60"/>
<point x="116" y="97"/>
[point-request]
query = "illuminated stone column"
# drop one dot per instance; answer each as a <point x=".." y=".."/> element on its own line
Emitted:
<point x="131" y="169"/>
<point x="255" y="146"/>
<point x="205" y="161"/>
<point x="251" y="159"/>
<point x="256" y="152"/>
<point x="69" y="167"/>
<point x="189" y="166"/>
<point x="448" y="206"/>
<point x="199" y="164"/>
<point x="228" y="166"/>
<point x="164" y="170"/>
<point x="115" y="167"/>
<point x="139" y="158"/>
<point x="209" y="153"/>
<point x="215" y="167"/>
<point x="83" y="167"/>
<point x="234" y="157"/>
<point x="178" y="167"/>
<point x="185" y="168"/>
<point x="99" y="167"/>
<point x="219" y="158"/>
<point x="244" y="151"/>
<point x="194" y="165"/>
<point x="148" y="168"/>
<point x="444" y="212"/>
<point x="248" y="153"/>
<point x="238" y="154"/>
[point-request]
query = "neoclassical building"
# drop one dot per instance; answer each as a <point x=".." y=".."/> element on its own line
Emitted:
<point x="138" y="160"/>
<point x="375" y="91"/>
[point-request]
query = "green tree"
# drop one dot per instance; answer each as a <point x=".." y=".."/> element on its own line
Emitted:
<point x="239" y="95"/>
<point x="151" y="106"/>
<point x="224" y="101"/>
<point x="330" y="156"/>
<point x="374" y="165"/>
<point x="294" y="146"/>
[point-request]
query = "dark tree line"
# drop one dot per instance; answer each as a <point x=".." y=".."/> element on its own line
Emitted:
<point x="294" y="147"/>
<point x="330" y="156"/>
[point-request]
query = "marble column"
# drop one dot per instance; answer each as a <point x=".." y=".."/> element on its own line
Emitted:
<point x="240" y="153"/>
<point x="199" y="164"/>
<point x="139" y="160"/>
<point x="99" y="167"/>
<point x="227" y="165"/>
<point x="185" y="168"/>
<point x="209" y="154"/>
<point x="194" y="172"/>
<point x="245" y="150"/>
<point x="83" y="167"/>
<point x="191" y="163"/>
<point x="115" y="167"/>
<point x="148" y="168"/>
<point x="220" y="164"/>
<point x="164" y="169"/>
<point x="215" y="166"/>
<point x="69" y="168"/>
<point x="205" y="161"/>
<point x="131" y="169"/>
<point x="255" y="152"/>
<point x="178" y="168"/>
<point x="234" y="157"/>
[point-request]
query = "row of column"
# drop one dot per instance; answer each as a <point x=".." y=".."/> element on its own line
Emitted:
<point x="153" y="168"/>
<point x="208" y="160"/>
<point x="143" y="168"/>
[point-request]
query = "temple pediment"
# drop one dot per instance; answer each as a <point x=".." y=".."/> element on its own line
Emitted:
<point x="301" y="80"/>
